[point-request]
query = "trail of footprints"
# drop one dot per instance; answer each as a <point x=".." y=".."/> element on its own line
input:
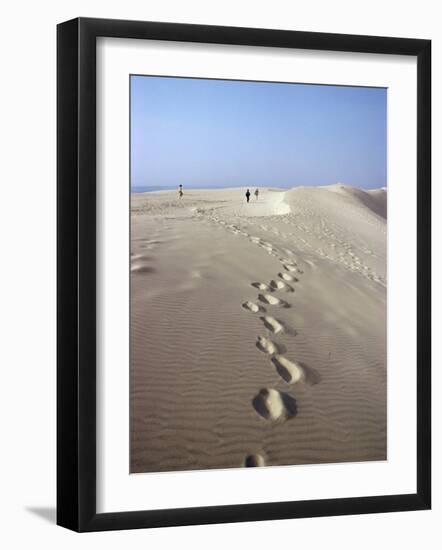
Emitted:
<point x="342" y="250"/>
<point x="271" y="404"/>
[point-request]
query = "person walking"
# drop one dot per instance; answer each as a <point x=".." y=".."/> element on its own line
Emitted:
<point x="180" y="191"/>
<point x="248" y="195"/>
<point x="256" y="193"/>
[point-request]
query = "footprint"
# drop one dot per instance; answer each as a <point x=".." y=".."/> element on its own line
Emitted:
<point x="266" y="345"/>
<point x="253" y="461"/>
<point x="277" y="327"/>
<point x="274" y="405"/>
<point x="287" y="277"/>
<point x="262" y="286"/>
<point x="289" y="267"/>
<point x="293" y="372"/>
<point x="251" y="306"/>
<point x="280" y="285"/>
<point x="272" y="324"/>
<point x="290" y="261"/>
<point x="272" y="300"/>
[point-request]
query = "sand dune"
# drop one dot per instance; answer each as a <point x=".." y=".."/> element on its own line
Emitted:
<point x="374" y="199"/>
<point x="258" y="331"/>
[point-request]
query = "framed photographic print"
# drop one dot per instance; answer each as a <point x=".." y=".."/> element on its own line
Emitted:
<point x="243" y="274"/>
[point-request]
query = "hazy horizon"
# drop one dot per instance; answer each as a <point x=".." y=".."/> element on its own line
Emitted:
<point x="218" y="133"/>
<point x="153" y="188"/>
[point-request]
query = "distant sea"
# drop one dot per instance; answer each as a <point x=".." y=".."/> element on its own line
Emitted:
<point x="149" y="188"/>
<point x="146" y="189"/>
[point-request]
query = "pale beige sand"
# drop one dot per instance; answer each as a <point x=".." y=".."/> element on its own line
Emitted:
<point x="258" y="331"/>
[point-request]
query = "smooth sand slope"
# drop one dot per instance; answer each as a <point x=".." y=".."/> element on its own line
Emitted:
<point x="258" y="331"/>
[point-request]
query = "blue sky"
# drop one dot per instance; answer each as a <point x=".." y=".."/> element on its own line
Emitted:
<point x="220" y="133"/>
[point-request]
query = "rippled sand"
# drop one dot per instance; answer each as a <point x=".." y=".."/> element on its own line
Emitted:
<point x="258" y="331"/>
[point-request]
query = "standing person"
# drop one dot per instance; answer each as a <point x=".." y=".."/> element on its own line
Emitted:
<point x="256" y="193"/>
<point x="248" y="195"/>
<point x="180" y="191"/>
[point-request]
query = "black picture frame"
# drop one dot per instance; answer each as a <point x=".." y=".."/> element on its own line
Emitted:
<point x="76" y="274"/>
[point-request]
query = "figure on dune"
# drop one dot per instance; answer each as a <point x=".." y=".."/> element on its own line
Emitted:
<point x="248" y="195"/>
